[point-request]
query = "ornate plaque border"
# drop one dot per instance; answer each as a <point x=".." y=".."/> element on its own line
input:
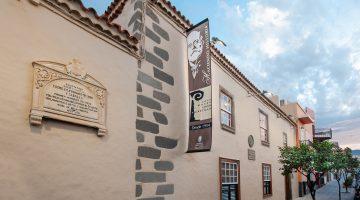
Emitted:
<point x="45" y="72"/>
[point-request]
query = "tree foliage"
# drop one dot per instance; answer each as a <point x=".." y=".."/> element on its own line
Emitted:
<point x="306" y="159"/>
<point x="343" y="165"/>
<point x="311" y="161"/>
<point x="314" y="161"/>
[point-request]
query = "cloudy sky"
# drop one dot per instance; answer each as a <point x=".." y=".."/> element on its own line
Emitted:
<point x="303" y="50"/>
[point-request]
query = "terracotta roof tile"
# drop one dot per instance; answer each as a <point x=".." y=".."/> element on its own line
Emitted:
<point x="114" y="10"/>
<point x="173" y="12"/>
<point x="116" y="7"/>
<point x="110" y="8"/>
<point x="90" y="17"/>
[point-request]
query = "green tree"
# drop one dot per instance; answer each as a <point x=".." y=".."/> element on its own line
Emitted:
<point x="352" y="163"/>
<point x="343" y="165"/>
<point x="311" y="161"/>
<point x="339" y="163"/>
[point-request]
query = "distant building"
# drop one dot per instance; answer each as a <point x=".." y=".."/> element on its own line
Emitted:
<point x="305" y="120"/>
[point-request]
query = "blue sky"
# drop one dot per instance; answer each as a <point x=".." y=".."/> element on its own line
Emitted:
<point x="302" y="50"/>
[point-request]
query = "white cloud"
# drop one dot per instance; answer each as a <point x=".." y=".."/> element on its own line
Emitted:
<point x="347" y="133"/>
<point x="355" y="60"/>
<point x="345" y="109"/>
<point x="231" y="12"/>
<point x="297" y="41"/>
<point x="324" y="78"/>
<point x="261" y="15"/>
<point x="271" y="47"/>
<point x="308" y="94"/>
<point x="238" y="10"/>
<point x="303" y="51"/>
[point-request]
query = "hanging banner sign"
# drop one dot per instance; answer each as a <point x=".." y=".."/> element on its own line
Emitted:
<point x="199" y="72"/>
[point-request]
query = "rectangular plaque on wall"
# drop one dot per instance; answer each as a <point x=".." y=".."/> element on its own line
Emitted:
<point x="199" y="73"/>
<point x="67" y="93"/>
<point x="251" y="154"/>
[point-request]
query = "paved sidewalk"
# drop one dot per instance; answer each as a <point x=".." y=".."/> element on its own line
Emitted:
<point x="330" y="192"/>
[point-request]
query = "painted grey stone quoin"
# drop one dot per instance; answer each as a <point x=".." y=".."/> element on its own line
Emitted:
<point x="165" y="142"/>
<point x="138" y="5"/>
<point x="140" y="112"/>
<point x="152" y="198"/>
<point x="165" y="189"/>
<point x="140" y="137"/>
<point x="147" y="126"/>
<point x="151" y="58"/>
<point x="161" y="32"/>
<point x="138" y="86"/>
<point x="148" y="102"/>
<point x="138" y="26"/>
<point x="150" y="177"/>
<point x="152" y="15"/>
<point x="137" y="16"/>
<point x="137" y="36"/>
<point x="163" y="76"/>
<point x="163" y="165"/>
<point x="138" y="164"/>
<point x="161" y="53"/>
<point x="138" y="190"/>
<point x="150" y="34"/>
<point x="160" y="118"/>
<point x="148" y="80"/>
<point x="161" y="96"/>
<point x="149" y="152"/>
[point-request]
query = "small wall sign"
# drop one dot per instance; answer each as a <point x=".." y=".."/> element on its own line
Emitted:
<point x="67" y="93"/>
<point x="251" y="154"/>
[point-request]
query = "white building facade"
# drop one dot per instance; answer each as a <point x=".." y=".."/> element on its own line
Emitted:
<point x="143" y="154"/>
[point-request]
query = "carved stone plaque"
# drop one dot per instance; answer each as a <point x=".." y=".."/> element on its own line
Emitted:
<point x="67" y="93"/>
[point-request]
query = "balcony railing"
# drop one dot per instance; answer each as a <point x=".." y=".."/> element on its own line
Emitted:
<point x="323" y="134"/>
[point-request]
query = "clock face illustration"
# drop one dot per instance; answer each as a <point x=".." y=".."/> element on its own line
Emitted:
<point x="251" y="141"/>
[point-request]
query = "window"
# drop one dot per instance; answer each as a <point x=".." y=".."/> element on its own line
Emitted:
<point x="266" y="173"/>
<point x="229" y="177"/>
<point x="285" y="139"/>
<point x="226" y="111"/>
<point x="264" y="132"/>
<point x="302" y="134"/>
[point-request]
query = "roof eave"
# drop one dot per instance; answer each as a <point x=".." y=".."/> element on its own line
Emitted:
<point x="88" y="16"/>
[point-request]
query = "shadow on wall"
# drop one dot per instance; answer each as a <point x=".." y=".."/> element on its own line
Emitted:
<point x="54" y="126"/>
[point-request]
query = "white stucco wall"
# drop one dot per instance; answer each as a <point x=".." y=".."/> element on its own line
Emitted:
<point x="61" y="160"/>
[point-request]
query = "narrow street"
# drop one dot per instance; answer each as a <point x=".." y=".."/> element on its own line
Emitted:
<point x="330" y="192"/>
